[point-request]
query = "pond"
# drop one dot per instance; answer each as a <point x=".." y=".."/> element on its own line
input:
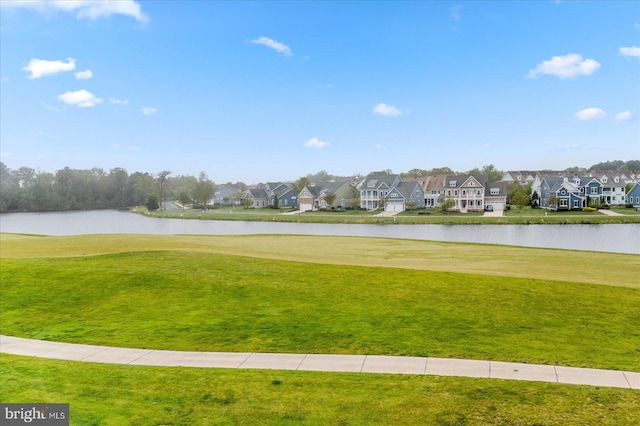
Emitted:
<point x="615" y="238"/>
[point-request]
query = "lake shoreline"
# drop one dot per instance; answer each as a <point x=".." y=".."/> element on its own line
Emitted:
<point x="373" y="219"/>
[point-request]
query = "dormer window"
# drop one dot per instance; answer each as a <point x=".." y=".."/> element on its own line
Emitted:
<point x="604" y="179"/>
<point x="453" y="183"/>
<point x="495" y="191"/>
<point x="616" y="179"/>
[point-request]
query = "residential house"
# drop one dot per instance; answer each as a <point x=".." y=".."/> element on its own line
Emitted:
<point x="467" y="191"/>
<point x="375" y="188"/>
<point x="633" y="196"/>
<point x="495" y="194"/>
<point x="288" y="198"/>
<point x="313" y="196"/>
<point x="434" y="190"/>
<point x="522" y="177"/>
<point x="257" y="198"/>
<point x="573" y="193"/>
<point x="228" y="194"/>
<point x="613" y="188"/>
<point x="404" y="195"/>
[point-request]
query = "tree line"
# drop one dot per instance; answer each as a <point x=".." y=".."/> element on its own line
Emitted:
<point x="26" y="189"/>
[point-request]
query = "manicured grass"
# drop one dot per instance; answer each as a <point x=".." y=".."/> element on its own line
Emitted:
<point x="485" y="259"/>
<point x="186" y="300"/>
<point x="133" y="395"/>
<point x="435" y="217"/>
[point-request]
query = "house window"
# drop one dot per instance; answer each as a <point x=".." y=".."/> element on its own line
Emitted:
<point x="604" y="179"/>
<point x="455" y="192"/>
<point x="637" y="199"/>
<point x="471" y="183"/>
<point x="453" y="183"/>
<point x="563" y="202"/>
<point x="494" y="191"/>
<point x="594" y="190"/>
<point x="464" y="192"/>
<point x="479" y="192"/>
<point x="575" y="204"/>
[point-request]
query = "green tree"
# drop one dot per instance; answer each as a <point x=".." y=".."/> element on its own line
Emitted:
<point x="520" y="198"/>
<point x="301" y="183"/>
<point x="276" y="202"/>
<point x="184" y="199"/>
<point x="203" y="190"/>
<point x="161" y="181"/>
<point x="152" y="203"/>
<point x="329" y="199"/>
<point x="447" y="204"/>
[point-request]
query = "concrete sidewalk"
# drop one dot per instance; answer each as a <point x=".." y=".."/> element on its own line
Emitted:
<point x="327" y="363"/>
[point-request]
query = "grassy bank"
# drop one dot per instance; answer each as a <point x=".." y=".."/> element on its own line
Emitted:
<point x="413" y="217"/>
<point x="198" y="300"/>
<point x="483" y="259"/>
<point x="130" y="395"/>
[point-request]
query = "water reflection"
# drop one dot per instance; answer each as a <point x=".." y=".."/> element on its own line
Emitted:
<point x="624" y="238"/>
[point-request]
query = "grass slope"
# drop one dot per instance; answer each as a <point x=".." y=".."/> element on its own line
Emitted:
<point x="548" y="264"/>
<point x="130" y="395"/>
<point x="202" y="301"/>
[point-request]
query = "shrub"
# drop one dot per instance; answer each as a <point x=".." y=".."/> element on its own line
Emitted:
<point x="589" y="209"/>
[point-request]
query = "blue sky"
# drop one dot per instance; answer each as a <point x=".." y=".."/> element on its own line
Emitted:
<point x="265" y="91"/>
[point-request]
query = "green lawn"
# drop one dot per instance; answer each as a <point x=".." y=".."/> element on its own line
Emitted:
<point x="193" y="300"/>
<point x="317" y="295"/>
<point x="133" y="395"/>
<point x="413" y="217"/>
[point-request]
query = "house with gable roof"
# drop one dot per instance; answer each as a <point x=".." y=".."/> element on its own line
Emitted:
<point x="633" y="196"/>
<point x="255" y="198"/>
<point x="434" y="190"/>
<point x="613" y="188"/>
<point x="467" y="191"/>
<point x="313" y="196"/>
<point x="227" y="194"/>
<point x="522" y="177"/>
<point x="375" y="188"/>
<point x="404" y="195"/>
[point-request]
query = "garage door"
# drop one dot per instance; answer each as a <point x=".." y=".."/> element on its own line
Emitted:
<point x="305" y="207"/>
<point x="496" y="205"/>
<point x="394" y="207"/>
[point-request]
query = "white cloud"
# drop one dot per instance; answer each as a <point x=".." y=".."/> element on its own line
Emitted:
<point x="84" y="75"/>
<point x="630" y="51"/>
<point x="568" y="66"/>
<point x="316" y="143"/>
<point x="118" y="101"/>
<point x="275" y="45"/>
<point x="86" y="9"/>
<point x="590" y="114"/>
<point x="40" y="67"/>
<point x="386" y="110"/>
<point x="624" y="116"/>
<point x="80" y="98"/>
<point x="636" y="26"/>
<point x="149" y="110"/>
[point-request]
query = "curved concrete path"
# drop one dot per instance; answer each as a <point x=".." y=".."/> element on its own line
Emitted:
<point x="328" y="363"/>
